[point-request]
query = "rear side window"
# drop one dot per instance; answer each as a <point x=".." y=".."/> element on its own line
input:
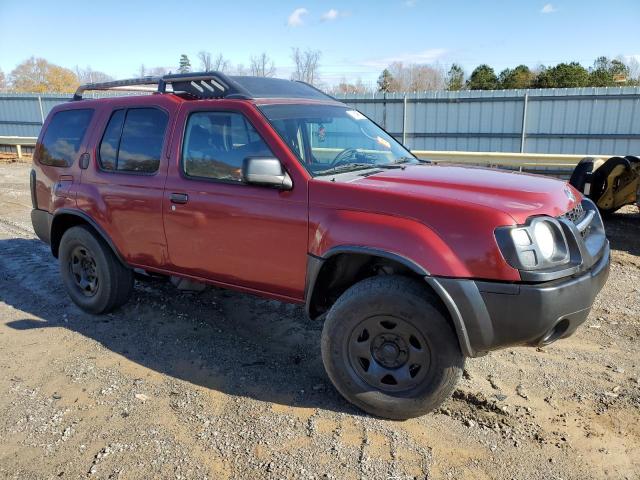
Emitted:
<point x="216" y="144"/>
<point x="61" y="141"/>
<point x="133" y="139"/>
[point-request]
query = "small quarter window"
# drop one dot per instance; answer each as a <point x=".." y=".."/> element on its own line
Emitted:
<point x="216" y="144"/>
<point x="61" y="141"/>
<point x="133" y="140"/>
<point x="111" y="140"/>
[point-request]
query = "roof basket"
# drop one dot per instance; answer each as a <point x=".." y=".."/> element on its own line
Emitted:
<point x="198" y="85"/>
<point x="203" y="85"/>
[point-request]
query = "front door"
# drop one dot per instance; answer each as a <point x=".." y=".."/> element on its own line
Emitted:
<point x="221" y="229"/>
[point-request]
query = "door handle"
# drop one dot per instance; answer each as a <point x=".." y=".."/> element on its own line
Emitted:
<point x="84" y="161"/>
<point x="179" y="198"/>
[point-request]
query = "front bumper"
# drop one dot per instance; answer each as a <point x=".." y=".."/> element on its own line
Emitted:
<point x="492" y="315"/>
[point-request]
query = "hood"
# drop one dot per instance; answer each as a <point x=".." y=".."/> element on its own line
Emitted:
<point x="516" y="194"/>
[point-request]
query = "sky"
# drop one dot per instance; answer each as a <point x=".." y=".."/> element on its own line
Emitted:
<point x="357" y="38"/>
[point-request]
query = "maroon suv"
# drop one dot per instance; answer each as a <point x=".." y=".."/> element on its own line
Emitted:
<point x="273" y="188"/>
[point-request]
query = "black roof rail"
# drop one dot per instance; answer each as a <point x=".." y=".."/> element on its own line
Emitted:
<point x="128" y="84"/>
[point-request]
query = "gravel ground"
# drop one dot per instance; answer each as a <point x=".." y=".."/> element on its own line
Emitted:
<point x="223" y="385"/>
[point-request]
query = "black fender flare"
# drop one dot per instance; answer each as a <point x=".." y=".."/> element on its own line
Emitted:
<point x="315" y="263"/>
<point x="87" y="219"/>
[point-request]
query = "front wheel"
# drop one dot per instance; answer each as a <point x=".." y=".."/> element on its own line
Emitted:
<point x="389" y="349"/>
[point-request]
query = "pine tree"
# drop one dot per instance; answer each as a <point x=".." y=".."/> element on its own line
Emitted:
<point x="385" y="81"/>
<point x="519" y="77"/>
<point x="185" y="64"/>
<point x="483" y="78"/>
<point x="455" y="78"/>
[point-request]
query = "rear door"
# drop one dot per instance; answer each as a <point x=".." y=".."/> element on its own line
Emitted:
<point x="219" y="228"/>
<point x="123" y="186"/>
<point x="56" y="169"/>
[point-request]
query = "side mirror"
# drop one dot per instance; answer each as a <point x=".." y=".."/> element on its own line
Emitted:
<point x="266" y="171"/>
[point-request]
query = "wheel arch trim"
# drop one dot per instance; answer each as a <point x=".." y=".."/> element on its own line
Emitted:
<point x="315" y="264"/>
<point x="375" y="252"/>
<point x="456" y="316"/>
<point x="92" y="223"/>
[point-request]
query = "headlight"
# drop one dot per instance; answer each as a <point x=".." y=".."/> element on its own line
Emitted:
<point x="538" y="245"/>
<point x="544" y="238"/>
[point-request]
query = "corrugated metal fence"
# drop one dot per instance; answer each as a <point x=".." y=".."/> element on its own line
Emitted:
<point x="573" y="121"/>
<point x="590" y="121"/>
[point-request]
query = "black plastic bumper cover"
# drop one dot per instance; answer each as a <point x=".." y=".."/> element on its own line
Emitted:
<point x="41" y="221"/>
<point x="492" y="315"/>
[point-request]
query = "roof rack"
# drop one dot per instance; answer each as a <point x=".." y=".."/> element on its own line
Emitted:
<point x="199" y="85"/>
<point x="211" y="85"/>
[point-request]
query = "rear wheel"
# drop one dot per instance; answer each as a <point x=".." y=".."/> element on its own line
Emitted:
<point x="389" y="349"/>
<point x="94" y="278"/>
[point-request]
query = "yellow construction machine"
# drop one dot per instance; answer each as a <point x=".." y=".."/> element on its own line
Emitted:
<point x="611" y="183"/>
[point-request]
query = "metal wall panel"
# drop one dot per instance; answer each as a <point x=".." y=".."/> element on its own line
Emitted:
<point x="593" y="121"/>
<point x="579" y="121"/>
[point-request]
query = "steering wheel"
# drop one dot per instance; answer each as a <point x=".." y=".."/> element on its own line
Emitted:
<point x="342" y="156"/>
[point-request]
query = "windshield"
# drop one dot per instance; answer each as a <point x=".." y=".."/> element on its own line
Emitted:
<point x="333" y="139"/>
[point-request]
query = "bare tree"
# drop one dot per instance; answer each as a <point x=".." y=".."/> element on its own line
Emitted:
<point x="151" y="71"/>
<point x="345" y="87"/>
<point x="89" y="75"/>
<point x="206" y="63"/>
<point x="158" y="71"/>
<point x="306" y="64"/>
<point x="240" y="70"/>
<point x="220" y="64"/>
<point x="262" y="66"/>
<point x="415" y="77"/>
<point x="3" y="81"/>
<point x="634" y="69"/>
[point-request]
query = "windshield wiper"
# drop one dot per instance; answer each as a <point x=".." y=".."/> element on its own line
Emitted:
<point x="346" y="168"/>
<point x="409" y="159"/>
<point x="392" y="165"/>
<point x="399" y="163"/>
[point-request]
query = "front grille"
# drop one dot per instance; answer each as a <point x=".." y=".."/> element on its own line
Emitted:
<point x="576" y="214"/>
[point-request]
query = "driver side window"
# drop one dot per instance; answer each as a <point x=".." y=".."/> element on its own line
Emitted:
<point x="216" y="143"/>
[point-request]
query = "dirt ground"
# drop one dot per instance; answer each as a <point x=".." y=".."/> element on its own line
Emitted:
<point x="224" y="385"/>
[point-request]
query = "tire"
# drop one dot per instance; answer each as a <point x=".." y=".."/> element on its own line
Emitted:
<point x="400" y="325"/>
<point x="93" y="276"/>
<point x="581" y="172"/>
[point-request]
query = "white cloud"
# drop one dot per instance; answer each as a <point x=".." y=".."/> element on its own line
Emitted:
<point x="295" y="19"/>
<point x="330" y="15"/>
<point x="410" y="3"/>
<point x="548" y="8"/>
<point x="426" y="56"/>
